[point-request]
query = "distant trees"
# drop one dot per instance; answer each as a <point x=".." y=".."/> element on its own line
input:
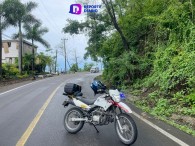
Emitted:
<point x="42" y="61"/>
<point x="74" y="67"/>
<point x="87" y="66"/>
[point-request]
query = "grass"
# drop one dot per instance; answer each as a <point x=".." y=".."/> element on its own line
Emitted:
<point x="165" y="118"/>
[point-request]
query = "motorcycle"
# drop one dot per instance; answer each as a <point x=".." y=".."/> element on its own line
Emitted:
<point x="106" y="109"/>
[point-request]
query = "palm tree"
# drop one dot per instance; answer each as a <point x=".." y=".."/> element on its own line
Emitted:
<point x="27" y="61"/>
<point x="44" y="60"/>
<point x="34" y="32"/>
<point x="17" y="13"/>
<point x="3" y="26"/>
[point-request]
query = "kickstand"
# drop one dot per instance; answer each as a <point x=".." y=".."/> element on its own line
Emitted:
<point x="95" y="128"/>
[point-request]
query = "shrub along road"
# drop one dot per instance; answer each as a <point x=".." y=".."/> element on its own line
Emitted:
<point x="21" y="106"/>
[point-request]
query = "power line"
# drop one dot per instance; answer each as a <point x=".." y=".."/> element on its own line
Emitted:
<point x="48" y="13"/>
<point x="7" y="36"/>
<point x="48" y="20"/>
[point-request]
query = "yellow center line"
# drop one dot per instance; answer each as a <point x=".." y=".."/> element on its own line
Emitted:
<point x="32" y="125"/>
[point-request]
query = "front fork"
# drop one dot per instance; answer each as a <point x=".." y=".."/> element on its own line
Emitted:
<point x="119" y="124"/>
<point x="117" y="119"/>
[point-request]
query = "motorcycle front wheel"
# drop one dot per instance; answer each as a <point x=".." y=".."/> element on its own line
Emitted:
<point x="73" y="126"/>
<point x="128" y="131"/>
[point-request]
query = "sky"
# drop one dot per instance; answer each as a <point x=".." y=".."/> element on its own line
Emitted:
<point x="53" y="15"/>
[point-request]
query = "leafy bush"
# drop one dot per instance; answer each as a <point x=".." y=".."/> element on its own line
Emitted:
<point x="162" y="108"/>
<point x="188" y="111"/>
<point x="190" y="100"/>
<point x="87" y="66"/>
<point x="9" y="71"/>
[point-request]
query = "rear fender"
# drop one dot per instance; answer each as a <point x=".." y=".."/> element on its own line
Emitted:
<point x="124" y="107"/>
<point x="67" y="102"/>
<point x="80" y="104"/>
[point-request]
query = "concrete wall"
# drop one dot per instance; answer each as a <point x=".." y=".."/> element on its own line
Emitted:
<point x="9" y="52"/>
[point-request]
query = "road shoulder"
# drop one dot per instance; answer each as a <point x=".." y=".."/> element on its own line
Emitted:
<point x="168" y="128"/>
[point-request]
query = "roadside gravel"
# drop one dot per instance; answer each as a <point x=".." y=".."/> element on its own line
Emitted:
<point x="4" y="88"/>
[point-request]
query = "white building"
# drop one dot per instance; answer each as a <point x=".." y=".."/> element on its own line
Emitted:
<point x="10" y="50"/>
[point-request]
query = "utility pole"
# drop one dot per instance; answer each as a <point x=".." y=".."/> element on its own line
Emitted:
<point x="75" y="53"/>
<point x="0" y="48"/>
<point x="56" y="60"/>
<point x="95" y="38"/>
<point x="65" y="53"/>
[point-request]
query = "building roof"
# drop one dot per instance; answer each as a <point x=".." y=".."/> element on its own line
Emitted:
<point x="24" y="41"/>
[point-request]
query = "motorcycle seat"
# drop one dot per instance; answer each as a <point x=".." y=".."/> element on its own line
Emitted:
<point x="87" y="100"/>
<point x="78" y="94"/>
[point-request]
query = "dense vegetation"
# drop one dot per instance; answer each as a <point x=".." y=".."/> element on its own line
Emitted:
<point x="75" y="68"/>
<point x="11" y="71"/>
<point x="148" y="46"/>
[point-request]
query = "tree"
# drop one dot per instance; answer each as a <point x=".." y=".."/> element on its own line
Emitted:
<point x="74" y="67"/>
<point x="34" y="32"/>
<point x="97" y="26"/>
<point x="17" y="13"/>
<point x="87" y="66"/>
<point x="42" y="61"/>
<point x="27" y="62"/>
<point x="111" y="12"/>
<point x="3" y="25"/>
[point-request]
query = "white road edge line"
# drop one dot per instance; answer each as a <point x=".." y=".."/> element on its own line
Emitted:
<point x="21" y="87"/>
<point x="175" y="139"/>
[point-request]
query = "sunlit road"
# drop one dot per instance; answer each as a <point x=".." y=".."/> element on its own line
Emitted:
<point x="19" y="107"/>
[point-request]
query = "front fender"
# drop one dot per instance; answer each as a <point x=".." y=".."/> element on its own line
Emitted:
<point x="124" y="107"/>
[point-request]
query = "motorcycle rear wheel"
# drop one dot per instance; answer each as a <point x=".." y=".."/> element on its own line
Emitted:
<point x="73" y="126"/>
<point x="129" y="133"/>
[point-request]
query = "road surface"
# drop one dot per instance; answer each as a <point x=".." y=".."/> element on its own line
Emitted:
<point x="32" y="115"/>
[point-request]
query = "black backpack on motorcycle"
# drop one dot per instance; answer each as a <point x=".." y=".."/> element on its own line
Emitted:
<point x="71" y="88"/>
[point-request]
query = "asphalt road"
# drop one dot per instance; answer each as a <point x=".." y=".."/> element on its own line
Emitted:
<point x="20" y="106"/>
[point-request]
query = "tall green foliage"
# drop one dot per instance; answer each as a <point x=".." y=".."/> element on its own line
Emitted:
<point x="160" y="36"/>
<point x="34" y="32"/>
<point x="42" y="61"/>
<point x="174" y="63"/>
<point x="17" y="13"/>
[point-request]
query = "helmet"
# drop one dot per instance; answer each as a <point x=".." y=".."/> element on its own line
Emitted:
<point x="98" y="87"/>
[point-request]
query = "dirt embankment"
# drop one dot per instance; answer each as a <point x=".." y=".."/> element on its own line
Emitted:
<point x="6" y="82"/>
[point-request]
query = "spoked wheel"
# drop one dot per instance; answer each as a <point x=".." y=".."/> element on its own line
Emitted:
<point x="128" y="131"/>
<point x="73" y="126"/>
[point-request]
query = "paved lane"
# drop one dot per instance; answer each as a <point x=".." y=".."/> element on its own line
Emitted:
<point x="19" y="107"/>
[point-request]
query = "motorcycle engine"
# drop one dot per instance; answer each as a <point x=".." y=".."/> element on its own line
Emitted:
<point x="99" y="117"/>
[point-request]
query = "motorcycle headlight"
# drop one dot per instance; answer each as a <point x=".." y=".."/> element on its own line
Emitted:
<point x="116" y="98"/>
